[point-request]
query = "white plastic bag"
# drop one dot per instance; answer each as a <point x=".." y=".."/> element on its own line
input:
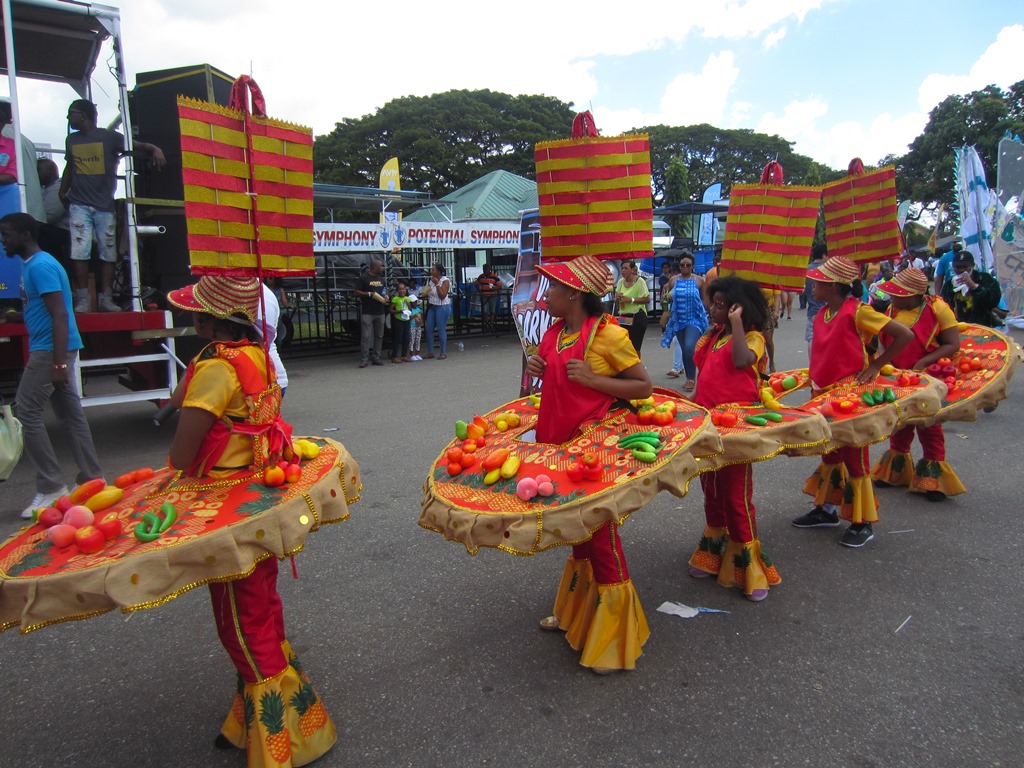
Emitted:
<point x="12" y="442"/>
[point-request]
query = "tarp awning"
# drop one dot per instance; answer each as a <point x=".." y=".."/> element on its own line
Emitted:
<point x="57" y="41"/>
<point x="693" y="209"/>
<point x="367" y="198"/>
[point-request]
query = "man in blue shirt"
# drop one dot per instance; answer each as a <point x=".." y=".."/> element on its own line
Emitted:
<point x="944" y="267"/>
<point x="53" y="344"/>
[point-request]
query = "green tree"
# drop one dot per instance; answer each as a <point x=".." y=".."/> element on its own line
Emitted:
<point x="979" y="118"/>
<point x="443" y="141"/>
<point x="724" y="155"/>
<point x="677" y="190"/>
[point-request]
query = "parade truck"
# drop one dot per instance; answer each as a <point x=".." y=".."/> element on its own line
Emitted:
<point x="128" y="355"/>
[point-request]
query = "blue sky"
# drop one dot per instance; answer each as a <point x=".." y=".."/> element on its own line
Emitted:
<point x="841" y="78"/>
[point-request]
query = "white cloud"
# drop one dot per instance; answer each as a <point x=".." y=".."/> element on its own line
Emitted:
<point x="772" y="39"/>
<point x="998" y="65"/>
<point x="701" y="97"/>
<point x="804" y="122"/>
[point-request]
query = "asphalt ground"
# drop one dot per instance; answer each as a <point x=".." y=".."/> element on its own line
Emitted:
<point x="907" y="652"/>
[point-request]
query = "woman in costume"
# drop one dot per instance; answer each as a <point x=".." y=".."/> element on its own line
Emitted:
<point x="689" y="318"/>
<point x="632" y="297"/>
<point x="935" y="336"/>
<point x="229" y="421"/>
<point x="587" y="362"/>
<point x="838" y="349"/>
<point x="730" y="358"/>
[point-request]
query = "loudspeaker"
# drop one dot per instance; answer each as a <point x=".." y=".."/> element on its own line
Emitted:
<point x="164" y="263"/>
<point x="154" y="111"/>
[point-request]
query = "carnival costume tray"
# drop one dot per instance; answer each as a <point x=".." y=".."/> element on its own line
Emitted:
<point x="985" y="382"/>
<point x="854" y="423"/>
<point x="784" y="429"/>
<point x="464" y="508"/>
<point x="223" y="528"/>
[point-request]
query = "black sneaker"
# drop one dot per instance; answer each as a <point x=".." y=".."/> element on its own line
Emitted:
<point x="857" y="535"/>
<point x="817" y="518"/>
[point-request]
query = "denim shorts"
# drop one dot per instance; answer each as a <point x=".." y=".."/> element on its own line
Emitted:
<point x="86" y="224"/>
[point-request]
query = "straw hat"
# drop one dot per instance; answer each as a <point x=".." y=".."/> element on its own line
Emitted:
<point x="910" y="282"/>
<point x="584" y="273"/>
<point x="221" y="296"/>
<point x="838" y="269"/>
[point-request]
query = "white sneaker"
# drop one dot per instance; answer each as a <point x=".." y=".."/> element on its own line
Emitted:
<point x="106" y="304"/>
<point x="82" y="304"/>
<point x="417" y="358"/>
<point x="42" y="500"/>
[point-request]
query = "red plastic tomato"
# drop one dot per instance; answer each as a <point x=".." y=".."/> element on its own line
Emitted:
<point x="727" y="419"/>
<point x="454" y="469"/>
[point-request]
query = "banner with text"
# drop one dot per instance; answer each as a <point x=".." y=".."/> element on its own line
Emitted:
<point x="473" y="235"/>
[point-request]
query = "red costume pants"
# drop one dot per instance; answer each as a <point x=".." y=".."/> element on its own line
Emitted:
<point x="856" y="460"/>
<point x="933" y="441"/>
<point x="728" y="501"/>
<point x="604" y="551"/>
<point x="250" y="622"/>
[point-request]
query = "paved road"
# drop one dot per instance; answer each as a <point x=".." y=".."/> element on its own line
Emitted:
<point x="905" y="653"/>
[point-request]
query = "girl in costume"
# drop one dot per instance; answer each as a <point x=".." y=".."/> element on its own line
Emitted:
<point x="841" y="330"/>
<point x="730" y="358"/>
<point x="689" y="318"/>
<point x="632" y="297"/>
<point x="935" y="336"/>
<point x="587" y="361"/>
<point x="230" y="421"/>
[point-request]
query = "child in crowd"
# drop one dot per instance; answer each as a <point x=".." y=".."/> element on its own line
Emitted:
<point x="730" y="358"/>
<point x="415" y="327"/>
<point x="400" y="321"/>
<point x="841" y="330"/>
<point x="935" y="331"/>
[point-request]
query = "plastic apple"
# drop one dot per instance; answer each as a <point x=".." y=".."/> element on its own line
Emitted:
<point x="110" y="526"/>
<point x="292" y="473"/>
<point x="575" y="472"/>
<point x="79" y="516"/>
<point x="89" y="539"/>
<point x="63" y="504"/>
<point x="50" y="517"/>
<point x="62" y="535"/>
<point x="273" y="476"/>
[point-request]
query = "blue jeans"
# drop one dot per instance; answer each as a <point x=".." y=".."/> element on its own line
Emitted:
<point x="87" y="223"/>
<point x="687" y="338"/>
<point x="437" y="318"/>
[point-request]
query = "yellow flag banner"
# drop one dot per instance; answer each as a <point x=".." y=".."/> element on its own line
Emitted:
<point x="933" y="241"/>
<point x="860" y="216"/>
<point x="248" y="198"/>
<point x="768" y="234"/>
<point x="594" y="197"/>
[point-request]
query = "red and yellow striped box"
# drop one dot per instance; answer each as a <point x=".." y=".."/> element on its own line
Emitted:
<point x="768" y="234"/>
<point x="860" y="216"/>
<point x="246" y="213"/>
<point x="595" y="197"/>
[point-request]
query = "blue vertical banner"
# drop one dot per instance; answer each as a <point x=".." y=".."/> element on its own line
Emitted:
<point x="706" y="234"/>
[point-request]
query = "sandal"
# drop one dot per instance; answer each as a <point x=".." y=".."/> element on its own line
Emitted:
<point x="673" y="374"/>
<point x="442" y="356"/>
<point x="690" y="385"/>
<point x="428" y="355"/>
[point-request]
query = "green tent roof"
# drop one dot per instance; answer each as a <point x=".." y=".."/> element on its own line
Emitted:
<point x="498" y="195"/>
